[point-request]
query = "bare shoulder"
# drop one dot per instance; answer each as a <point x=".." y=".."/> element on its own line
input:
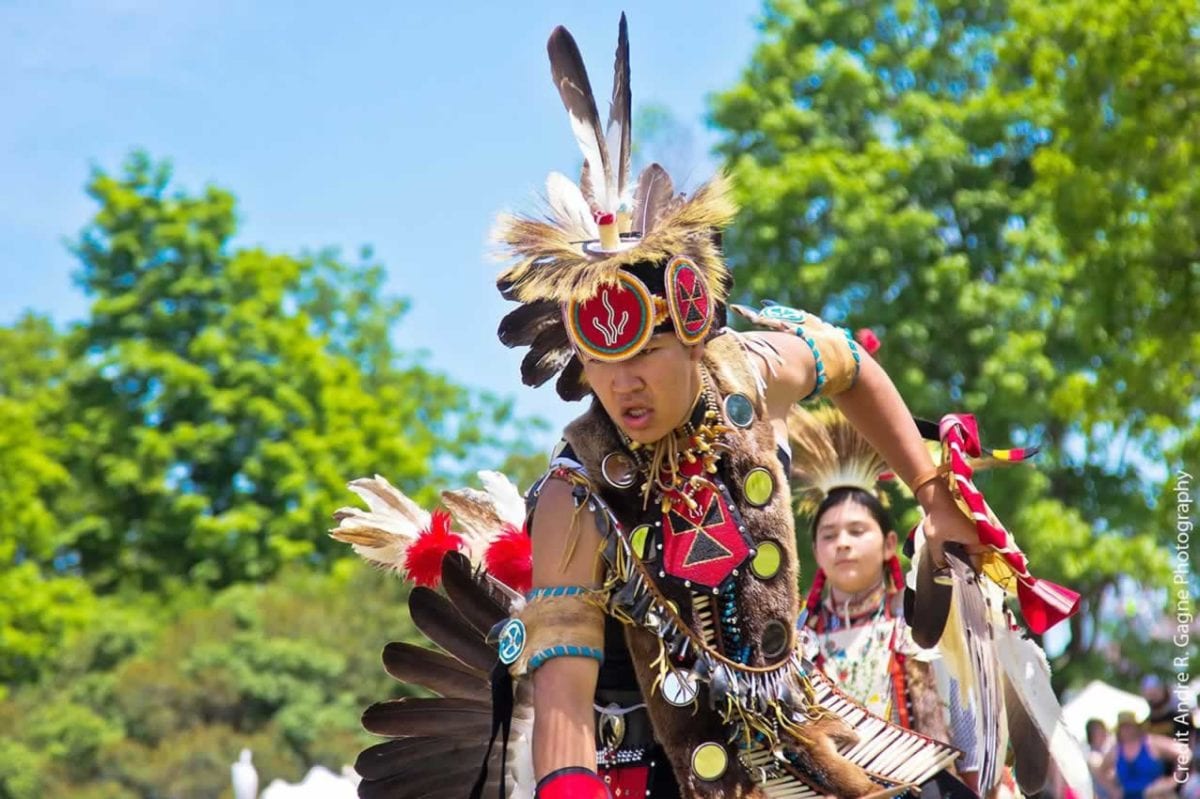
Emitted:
<point x="565" y="537"/>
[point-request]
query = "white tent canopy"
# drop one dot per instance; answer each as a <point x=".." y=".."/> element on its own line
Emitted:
<point x="319" y="783"/>
<point x="1099" y="700"/>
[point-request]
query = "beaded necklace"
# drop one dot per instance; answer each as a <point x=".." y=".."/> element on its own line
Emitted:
<point x="851" y="654"/>
<point x="675" y="467"/>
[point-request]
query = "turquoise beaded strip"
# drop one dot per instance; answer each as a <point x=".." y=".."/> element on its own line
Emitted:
<point x="853" y="351"/>
<point x="565" y="651"/>
<point x="816" y="352"/>
<point x="555" y="590"/>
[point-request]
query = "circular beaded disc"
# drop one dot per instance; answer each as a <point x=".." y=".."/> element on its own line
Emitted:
<point x="688" y="299"/>
<point x="679" y="688"/>
<point x="758" y="487"/>
<point x="638" y="540"/>
<point x="739" y="410"/>
<point x="767" y="560"/>
<point x="709" y="761"/>
<point x="616" y="323"/>
<point x="511" y="641"/>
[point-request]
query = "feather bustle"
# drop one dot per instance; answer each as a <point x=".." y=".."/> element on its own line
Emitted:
<point x="441" y="623"/>
<point x="440" y="673"/>
<point x="464" y="719"/>
<point x="471" y="597"/>
<point x="389" y="758"/>
<point x="828" y="452"/>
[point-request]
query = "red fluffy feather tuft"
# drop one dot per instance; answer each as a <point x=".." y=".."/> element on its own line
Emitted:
<point x="510" y="560"/>
<point x="423" y="560"/>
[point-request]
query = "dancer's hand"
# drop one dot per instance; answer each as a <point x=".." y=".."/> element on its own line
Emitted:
<point x="946" y="523"/>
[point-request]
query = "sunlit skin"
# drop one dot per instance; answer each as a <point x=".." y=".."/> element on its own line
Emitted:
<point x="851" y="549"/>
<point x="649" y="395"/>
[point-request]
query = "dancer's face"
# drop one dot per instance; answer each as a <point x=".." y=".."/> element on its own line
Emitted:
<point x="851" y="547"/>
<point x="650" y="394"/>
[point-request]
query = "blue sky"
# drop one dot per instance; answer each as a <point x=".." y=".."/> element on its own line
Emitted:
<point x="402" y="125"/>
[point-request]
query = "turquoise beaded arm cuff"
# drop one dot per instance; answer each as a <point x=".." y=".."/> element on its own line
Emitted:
<point x="836" y="356"/>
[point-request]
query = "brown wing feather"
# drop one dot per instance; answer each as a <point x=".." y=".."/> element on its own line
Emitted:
<point x="620" y="112"/>
<point x="435" y="671"/>
<point x="571" y="79"/>
<point x="391" y="757"/>
<point x="470" y="596"/>
<point x="650" y="199"/>
<point x="1031" y="755"/>
<point x="464" y="719"/>
<point x="547" y="355"/>
<point x="571" y="384"/>
<point x="435" y="616"/>
<point x="521" y="326"/>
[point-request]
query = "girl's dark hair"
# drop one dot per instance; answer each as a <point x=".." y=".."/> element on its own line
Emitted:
<point x="843" y="494"/>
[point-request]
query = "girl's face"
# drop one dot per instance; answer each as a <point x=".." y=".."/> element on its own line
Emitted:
<point x="851" y="548"/>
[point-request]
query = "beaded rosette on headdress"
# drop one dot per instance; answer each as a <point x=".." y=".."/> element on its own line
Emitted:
<point x="613" y="261"/>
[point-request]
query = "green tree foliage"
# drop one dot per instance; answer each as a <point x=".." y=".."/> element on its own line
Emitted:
<point x="223" y="396"/>
<point x="40" y="603"/>
<point x="168" y="468"/>
<point x="143" y="708"/>
<point x="1006" y="193"/>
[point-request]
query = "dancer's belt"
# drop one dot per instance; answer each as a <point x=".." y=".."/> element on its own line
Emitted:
<point x="622" y="721"/>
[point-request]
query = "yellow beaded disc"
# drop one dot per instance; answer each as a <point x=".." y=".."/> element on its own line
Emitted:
<point x="638" y="539"/>
<point x="759" y="486"/>
<point x="709" y="761"/>
<point x="767" y="560"/>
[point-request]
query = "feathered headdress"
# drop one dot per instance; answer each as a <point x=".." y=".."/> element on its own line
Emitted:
<point x="613" y="261"/>
<point x="828" y="453"/>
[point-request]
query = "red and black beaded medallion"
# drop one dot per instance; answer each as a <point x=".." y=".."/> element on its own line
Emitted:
<point x="616" y="323"/>
<point x="689" y="300"/>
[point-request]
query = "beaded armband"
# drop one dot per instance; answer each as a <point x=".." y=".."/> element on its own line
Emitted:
<point x="835" y="352"/>
<point x="559" y="621"/>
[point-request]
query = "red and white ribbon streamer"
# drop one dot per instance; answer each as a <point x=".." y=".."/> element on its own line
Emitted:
<point x="1043" y="603"/>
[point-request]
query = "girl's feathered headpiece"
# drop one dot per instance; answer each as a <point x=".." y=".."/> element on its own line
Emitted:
<point x="828" y="453"/>
<point x="613" y="261"/>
